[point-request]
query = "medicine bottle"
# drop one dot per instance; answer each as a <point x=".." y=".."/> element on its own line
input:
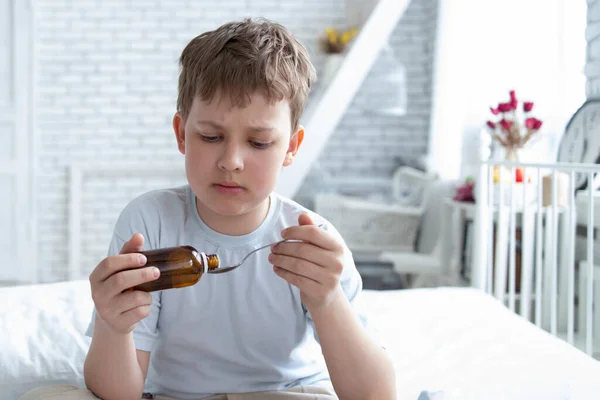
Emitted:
<point x="179" y="267"/>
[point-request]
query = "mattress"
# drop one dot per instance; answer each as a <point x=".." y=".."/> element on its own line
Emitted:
<point x="467" y="345"/>
<point x="456" y="341"/>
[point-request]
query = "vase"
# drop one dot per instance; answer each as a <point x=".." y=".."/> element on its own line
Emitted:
<point x="511" y="154"/>
<point x="333" y="62"/>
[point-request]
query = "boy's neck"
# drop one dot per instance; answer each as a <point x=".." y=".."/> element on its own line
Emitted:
<point x="235" y="225"/>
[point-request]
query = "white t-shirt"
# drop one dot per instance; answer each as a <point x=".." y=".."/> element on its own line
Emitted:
<point x="242" y="331"/>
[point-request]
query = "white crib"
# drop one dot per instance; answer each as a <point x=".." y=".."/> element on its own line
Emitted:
<point x="559" y="284"/>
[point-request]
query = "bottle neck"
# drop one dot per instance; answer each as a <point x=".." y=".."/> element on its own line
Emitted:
<point x="213" y="261"/>
<point x="208" y="261"/>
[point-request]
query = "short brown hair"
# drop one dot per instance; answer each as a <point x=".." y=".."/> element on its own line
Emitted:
<point x="240" y="58"/>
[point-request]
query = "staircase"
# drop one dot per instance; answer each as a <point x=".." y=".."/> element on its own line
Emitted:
<point x="328" y="105"/>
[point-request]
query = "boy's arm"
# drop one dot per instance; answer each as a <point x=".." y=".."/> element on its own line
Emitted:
<point x="113" y="368"/>
<point x="358" y="367"/>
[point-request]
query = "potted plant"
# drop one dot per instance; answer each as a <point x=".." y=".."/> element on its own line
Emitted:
<point x="334" y="44"/>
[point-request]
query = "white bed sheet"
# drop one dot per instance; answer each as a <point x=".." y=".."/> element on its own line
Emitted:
<point x="467" y="345"/>
<point x="456" y="340"/>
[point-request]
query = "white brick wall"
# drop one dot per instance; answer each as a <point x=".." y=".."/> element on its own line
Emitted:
<point x="101" y="205"/>
<point x="365" y="147"/>
<point x="106" y="91"/>
<point x="592" y="34"/>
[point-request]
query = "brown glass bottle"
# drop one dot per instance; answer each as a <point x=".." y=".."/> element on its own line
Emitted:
<point x="179" y="267"/>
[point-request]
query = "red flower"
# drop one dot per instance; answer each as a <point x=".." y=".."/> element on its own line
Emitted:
<point x="513" y="100"/>
<point x="491" y="124"/>
<point x="530" y="123"/>
<point x="527" y="106"/>
<point x="533" y="123"/>
<point x="494" y="111"/>
<point x="504" y="107"/>
<point x="505" y="124"/>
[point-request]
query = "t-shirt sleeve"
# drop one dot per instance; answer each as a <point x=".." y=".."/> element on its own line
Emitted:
<point x="133" y="220"/>
<point x="352" y="285"/>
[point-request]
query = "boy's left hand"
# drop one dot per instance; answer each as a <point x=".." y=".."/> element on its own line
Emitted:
<point x="313" y="265"/>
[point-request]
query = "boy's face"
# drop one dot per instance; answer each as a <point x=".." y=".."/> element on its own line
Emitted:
<point x="233" y="155"/>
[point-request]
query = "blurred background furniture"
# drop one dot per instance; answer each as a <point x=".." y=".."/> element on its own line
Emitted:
<point x="388" y="229"/>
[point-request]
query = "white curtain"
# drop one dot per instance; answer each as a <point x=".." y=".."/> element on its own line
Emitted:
<point x="486" y="48"/>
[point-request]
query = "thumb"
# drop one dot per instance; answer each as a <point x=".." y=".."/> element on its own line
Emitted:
<point x="304" y="219"/>
<point x="133" y="245"/>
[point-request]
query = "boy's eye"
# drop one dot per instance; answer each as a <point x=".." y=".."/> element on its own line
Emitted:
<point x="210" y="139"/>
<point x="260" y="145"/>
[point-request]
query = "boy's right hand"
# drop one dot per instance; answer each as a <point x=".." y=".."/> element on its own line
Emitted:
<point x="120" y="309"/>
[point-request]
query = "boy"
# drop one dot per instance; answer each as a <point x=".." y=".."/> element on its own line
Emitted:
<point x="283" y="325"/>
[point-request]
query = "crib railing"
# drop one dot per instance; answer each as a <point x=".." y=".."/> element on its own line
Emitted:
<point x="530" y="223"/>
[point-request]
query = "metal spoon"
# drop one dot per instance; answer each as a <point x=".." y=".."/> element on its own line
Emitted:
<point x="232" y="267"/>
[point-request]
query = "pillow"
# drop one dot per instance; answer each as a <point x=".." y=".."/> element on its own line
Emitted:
<point x="43" y="335"/>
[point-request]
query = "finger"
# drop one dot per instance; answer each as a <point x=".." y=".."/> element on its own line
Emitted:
<point x="134" y="244"/>
<point x="128" y="301"/>
<point x="301" y="282"/>
<point x="113" y="264"/>
<point x="300" y="267"/>
<point x="305" y="219"/>
<point x="305" y="251"/>
<point x="312" y="234"/>
<point x="134" y="315"/>
<point x="128" y="279"/>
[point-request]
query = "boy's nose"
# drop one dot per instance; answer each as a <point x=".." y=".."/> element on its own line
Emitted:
<point x="231" y="159"/>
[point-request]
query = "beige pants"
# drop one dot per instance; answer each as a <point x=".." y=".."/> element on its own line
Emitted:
<point x="311" y="392"/>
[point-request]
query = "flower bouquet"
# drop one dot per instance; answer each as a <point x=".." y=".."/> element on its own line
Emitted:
<point x="514" y="128"/>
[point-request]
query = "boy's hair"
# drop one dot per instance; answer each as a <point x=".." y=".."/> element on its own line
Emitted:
<point x="240" y="58"/>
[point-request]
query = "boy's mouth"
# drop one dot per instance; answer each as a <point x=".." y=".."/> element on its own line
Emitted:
<point x="228" y="184"/>
<point x="228" y="188"/>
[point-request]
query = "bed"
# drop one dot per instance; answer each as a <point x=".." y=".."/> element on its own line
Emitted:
<point x="451" y="343"/>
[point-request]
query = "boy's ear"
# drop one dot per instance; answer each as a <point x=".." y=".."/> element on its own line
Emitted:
<point x="295" y="142"/>
<point x="179" y="129"/>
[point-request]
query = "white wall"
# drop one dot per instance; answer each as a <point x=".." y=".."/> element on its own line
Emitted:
<point x="487" y="48"/>
<point x="105" y="91"/>
<point x="592" y="34"/>
<point x="17" y="210"/>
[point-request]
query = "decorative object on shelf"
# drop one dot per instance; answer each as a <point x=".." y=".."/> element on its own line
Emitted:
<point x="465" y="192"/>
<point x="334" y="44"/>
<point x="336" y="41"/>
<point x="581" y="141"/>
<point x="562" y="189"/>
<point x="502" y="177"/>
<point x="504" y="174"/>
<point x="331" y="67"/>
<point x="515" y="128"/>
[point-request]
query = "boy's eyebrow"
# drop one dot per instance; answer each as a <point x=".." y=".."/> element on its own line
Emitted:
<point x="211" y="123"/>
<point x="261" y="129"/>
<point x="253" y="129"/>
